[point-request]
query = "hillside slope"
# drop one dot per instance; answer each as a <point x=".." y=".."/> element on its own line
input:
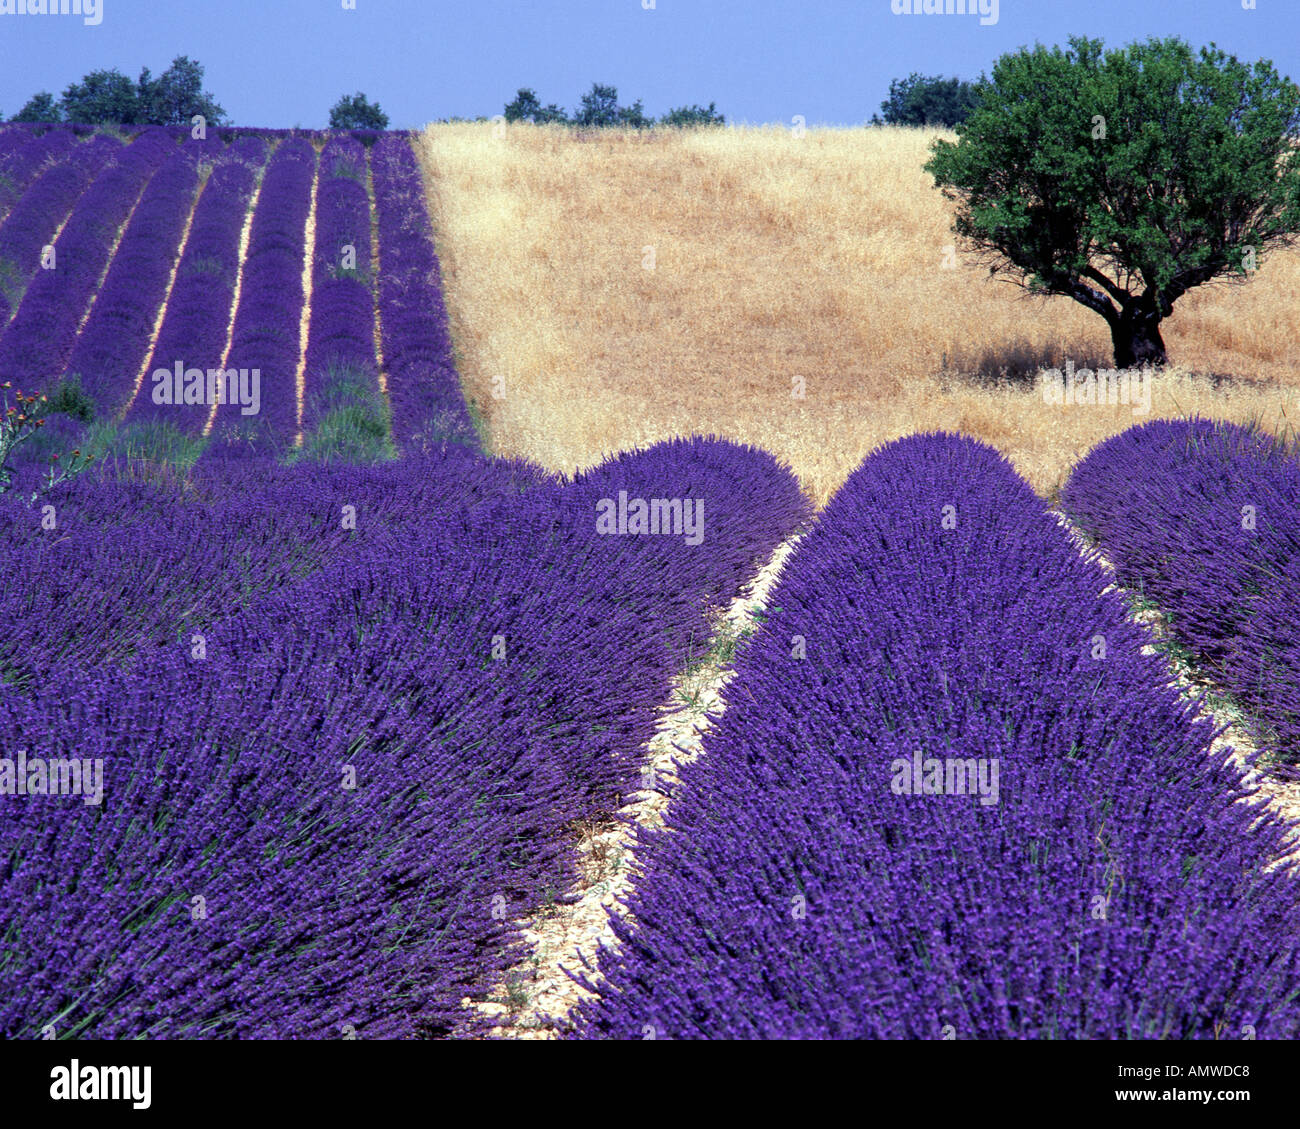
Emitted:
<point x="626" y="287"/>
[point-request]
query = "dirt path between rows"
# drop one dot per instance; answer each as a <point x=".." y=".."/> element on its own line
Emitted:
<point x="381" y="371"/>
<point x="237" y="290"/>
<point x="536" y="996"/>
<point x="304" y="315"/>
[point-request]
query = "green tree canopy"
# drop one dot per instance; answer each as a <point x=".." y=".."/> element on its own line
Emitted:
<point x="927" y="100"/>
<point x="1124" y="178"/>
<point x="693" y="115"/>
<point x="527" y="108"/>
<point x="108" y="97"/>
<point x="40" y="107"/>
<point x="355" y="111"/>
<point x="600" y="109"/>
<point x="176" y="96"/>
<point x="102" y="97"/>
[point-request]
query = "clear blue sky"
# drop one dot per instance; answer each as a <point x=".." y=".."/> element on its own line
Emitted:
<point x="285" y="62"/>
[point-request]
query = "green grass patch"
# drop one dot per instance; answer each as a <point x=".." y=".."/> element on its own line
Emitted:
<point x="352" y="421"/>
<point x="345" y="168"/>
<point x="354" y="273"/>
<point x="70" y="399"/>
<point x="149" y="443"/>
<point x="203" y="264"/>
<point x="12" y="283"/>
<point x="479" y="421"/>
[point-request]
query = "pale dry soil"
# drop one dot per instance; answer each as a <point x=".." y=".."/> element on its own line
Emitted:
<point x="304" y="315"/>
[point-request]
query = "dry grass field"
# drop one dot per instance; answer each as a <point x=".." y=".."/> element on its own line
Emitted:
<point x="610" y="289"/>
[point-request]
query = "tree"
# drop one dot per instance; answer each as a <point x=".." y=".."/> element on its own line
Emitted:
<point x="599" y="107"/>
<point x="526" y="108"/>
<point x="40" y="108"/>
<point x="177" y="95"/>
<point x="102" y="97"/>
<point x="633" y="116"/>
<point x="927" y="100"/>
<point x="600" y="110"/>
<point x="693" y="115"/>
<point x="355" y="111"/>
<point x="110" y="98"/>
<point x="1123" y="179"/>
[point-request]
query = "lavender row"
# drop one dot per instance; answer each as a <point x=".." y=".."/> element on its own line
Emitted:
<point x="267" y="325"/>
<point x="951" y="797"/>
<point x="25" y="154"/>
<point x="130" y="566"/>
<point x="423" y="386"/>
<point x="111" y="348"/>
<point x="329" y="823"/>
<point x="12" y="133"/>
<point x="1203" y="518"/>
<point x="341" y="337"/>
<point x="35" y="219"/>
<point x="35" y="347"/>
<point x="192" y="338"/>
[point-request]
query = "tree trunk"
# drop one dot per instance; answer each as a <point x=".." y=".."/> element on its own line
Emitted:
<point x="1135" y="334"/>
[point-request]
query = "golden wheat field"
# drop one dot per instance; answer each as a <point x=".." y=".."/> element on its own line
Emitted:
<point x="608" y="291"/>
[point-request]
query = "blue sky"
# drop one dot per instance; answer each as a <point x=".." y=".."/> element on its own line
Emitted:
<point x="285" y="62"/>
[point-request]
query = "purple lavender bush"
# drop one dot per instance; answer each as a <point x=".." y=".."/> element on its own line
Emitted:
<point x="24" y="152"/>
<point x="1089" y="871"/>
<point x="267" y="323"/>
<point x="39" y="339"/>
<point x="1203" y="519"/>
<point x="342" y="376"/>
<point x="423" y="386"/>
<point x="202" y="545"/>
<point x="113" y="343"/>
<point x="35" y="218"/>
<point x="330" y="819"/>
<point x="194" y="329"/>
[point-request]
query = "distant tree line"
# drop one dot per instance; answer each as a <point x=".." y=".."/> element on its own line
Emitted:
<point x="175" y="97"/>
<point x="927" y="100"/>
<point x="600" y="109"/>
<point x="109" y="97"/>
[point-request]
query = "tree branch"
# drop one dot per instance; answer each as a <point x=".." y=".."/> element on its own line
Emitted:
<point x="1113" y="289"/>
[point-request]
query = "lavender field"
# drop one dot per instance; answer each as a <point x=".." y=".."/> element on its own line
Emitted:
<point x="315" y="715"/>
